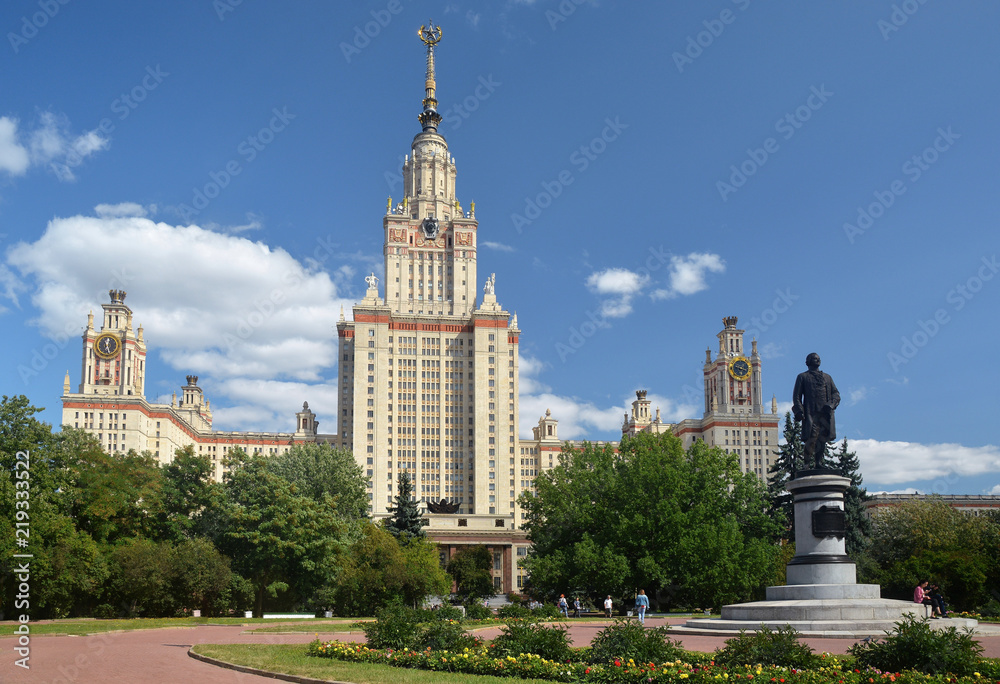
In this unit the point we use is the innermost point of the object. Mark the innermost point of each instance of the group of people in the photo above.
(930, 595)
(641, 605)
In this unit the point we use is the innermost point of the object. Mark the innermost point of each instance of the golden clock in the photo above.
(107, 345)
(739, 368)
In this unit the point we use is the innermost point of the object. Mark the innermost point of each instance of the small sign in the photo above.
(829, 521)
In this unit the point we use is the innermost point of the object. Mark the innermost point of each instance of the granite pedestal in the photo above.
(821, 597)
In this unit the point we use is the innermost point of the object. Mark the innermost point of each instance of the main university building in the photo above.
(428, 380)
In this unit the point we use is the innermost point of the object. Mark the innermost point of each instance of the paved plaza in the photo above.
(160, 656)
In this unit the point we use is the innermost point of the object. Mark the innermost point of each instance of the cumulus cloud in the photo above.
(859, 394)
(892, 462)
(688, 274)
(580, 419)
(498, 246)
(622, 284)
(13, 156)
(218, 305)
(50, 143)
(123, 209)
(995, 491)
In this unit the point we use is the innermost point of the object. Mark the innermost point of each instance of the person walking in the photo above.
(563, 605)
(607, 606)
(576, 607)
(641, 604)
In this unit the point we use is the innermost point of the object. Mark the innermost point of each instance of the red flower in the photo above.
(618, 663)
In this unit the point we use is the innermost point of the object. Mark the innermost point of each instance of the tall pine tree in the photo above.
(789, 461)
(859, 526)
(407, 521)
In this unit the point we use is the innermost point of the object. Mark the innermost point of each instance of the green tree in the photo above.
(110, 496)
(140, 582)
(274, 537)
(931, 540)
(859, 526)
(380, 570)
(790, 460)
(200, 575)
(318, 471)
(685, 526)
(189, 494)
(470, 568)
(406, 521)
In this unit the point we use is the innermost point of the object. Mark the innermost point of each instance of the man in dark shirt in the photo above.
(814, 401)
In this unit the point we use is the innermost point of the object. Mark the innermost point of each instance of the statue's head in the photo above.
(812, 361)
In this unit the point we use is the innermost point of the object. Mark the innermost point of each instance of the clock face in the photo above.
(107, 346)
(430, 227)
(739, 368)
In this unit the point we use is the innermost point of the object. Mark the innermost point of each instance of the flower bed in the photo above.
(481, 661)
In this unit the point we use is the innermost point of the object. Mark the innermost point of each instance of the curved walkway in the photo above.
(159, 656)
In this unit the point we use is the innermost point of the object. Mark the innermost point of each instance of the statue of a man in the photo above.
(814, 401)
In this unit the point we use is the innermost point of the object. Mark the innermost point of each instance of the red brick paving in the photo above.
(159, 656)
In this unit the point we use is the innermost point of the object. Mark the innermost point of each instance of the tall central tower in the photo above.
(428, 374)
(430, 242)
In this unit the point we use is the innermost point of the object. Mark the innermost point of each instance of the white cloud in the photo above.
(622, 284)
(995, 491)
(48, 144)
(859, 394)
(14, 157)
(580, 419)
(473, 18)
(688, 274)
(254, 222)
(221, 306)
(771, 350)
(891, 462)
(273, 402)
(122, 209)
(498, 246)
(52, 144)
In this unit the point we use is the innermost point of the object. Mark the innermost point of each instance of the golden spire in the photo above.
(429, 118)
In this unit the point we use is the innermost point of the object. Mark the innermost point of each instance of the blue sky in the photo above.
(826, 172)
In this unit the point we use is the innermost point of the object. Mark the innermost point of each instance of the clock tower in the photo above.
(734, 417)
(114, 357)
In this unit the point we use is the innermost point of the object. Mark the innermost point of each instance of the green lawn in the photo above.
(85, 626)
(291, 659)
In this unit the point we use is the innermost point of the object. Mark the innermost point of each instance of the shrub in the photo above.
(446, 612)
(514, 610)
(477, 611)
(442, 635)
(550, 643)
(991, 609)
(546, 611)
(913, 645)
(395, 627)
(628, 639)
(765, 647)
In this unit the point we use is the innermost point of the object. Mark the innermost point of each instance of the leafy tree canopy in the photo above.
(684, 526)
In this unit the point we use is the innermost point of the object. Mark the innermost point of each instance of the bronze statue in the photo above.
(814, 401)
